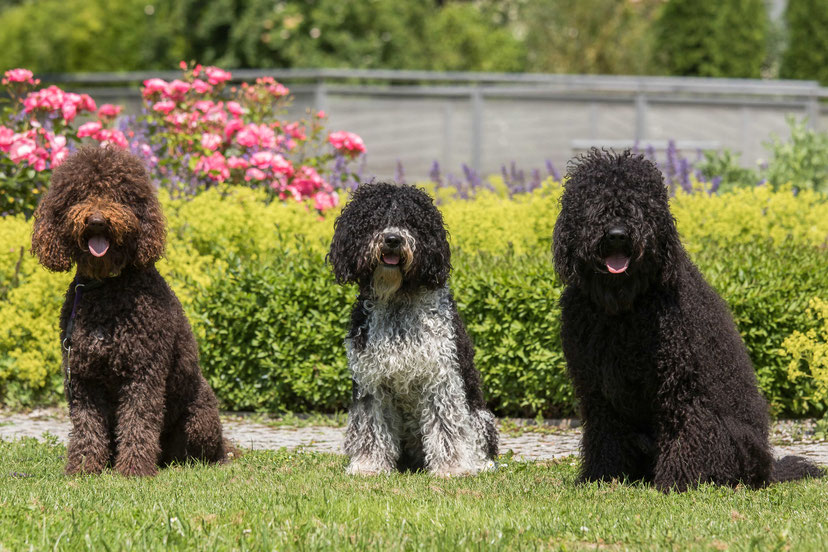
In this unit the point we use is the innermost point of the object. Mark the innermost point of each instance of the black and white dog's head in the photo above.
(390, 239)
(615, 235)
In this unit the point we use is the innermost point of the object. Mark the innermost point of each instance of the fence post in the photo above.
(640, 116)
(476, 97)
(320, 95)
(812, 110)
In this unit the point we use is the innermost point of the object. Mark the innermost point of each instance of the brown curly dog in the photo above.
(136, 395)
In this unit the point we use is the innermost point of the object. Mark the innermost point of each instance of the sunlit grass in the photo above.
(283, 500)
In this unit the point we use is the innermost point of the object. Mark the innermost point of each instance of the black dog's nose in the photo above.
(96, 221)
(617, 234)
(393, 240)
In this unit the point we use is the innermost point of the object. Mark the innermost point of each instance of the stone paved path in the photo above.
(255, 435)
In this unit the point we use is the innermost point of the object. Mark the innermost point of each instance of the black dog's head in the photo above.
(100, 213)
(615, 235)
(390, 238)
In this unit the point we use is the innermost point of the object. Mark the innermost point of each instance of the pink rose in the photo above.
(323, 201)
(235, 109)
(38, 159)
(176, 119)
(164, 106)
(109, 110)
(237, 163)
(89, 129)
(210, 141)
(306, 181)
(254, 174)
(275, 89)
(87, 103)
(215, 166)
(203, 105)
(233, 126)
(69, 110)
(19, 75)
(22, 149)
(50, 99)
(347, 143)
(248, 136)
(280, 165)
(177, 89)
(6, 138)
(321, 114)
(216, 75)
(295, 131)
(267, 138)
(202, 87)
(183, 65)
(262, 159)
(108, 136)
(154, 86)
(59, 152)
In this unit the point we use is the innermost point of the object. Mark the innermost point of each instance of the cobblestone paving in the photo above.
(256, 435)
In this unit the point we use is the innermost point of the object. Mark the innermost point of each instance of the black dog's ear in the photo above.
(562, 253)
(152, 233)
(672, 253)
(49, 244)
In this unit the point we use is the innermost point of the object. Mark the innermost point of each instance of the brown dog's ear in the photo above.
(152, 233)
(48, 242)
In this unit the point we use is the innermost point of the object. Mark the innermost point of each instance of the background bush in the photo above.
(806, 55)
(730, 38)
(270, 321)
(712, 38)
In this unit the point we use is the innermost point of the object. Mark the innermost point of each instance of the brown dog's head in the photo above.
(100, 213)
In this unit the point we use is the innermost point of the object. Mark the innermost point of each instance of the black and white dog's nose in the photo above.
(393, 240)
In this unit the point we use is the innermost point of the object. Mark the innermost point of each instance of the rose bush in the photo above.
(195, 133)
(36, 134)
(200, 131)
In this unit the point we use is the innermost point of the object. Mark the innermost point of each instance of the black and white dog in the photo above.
(417, 398)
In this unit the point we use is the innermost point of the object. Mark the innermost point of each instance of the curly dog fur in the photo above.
(417, 398)
(136, 395)
(667, 391)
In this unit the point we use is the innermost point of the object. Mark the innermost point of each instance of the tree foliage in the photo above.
(712, 38)
(589, 36)
(806, 56)
(87, 35)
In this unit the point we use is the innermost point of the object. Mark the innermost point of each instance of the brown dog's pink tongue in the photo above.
(617, 263)
(98, 245)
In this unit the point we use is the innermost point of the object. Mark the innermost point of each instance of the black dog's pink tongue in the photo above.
(98, 245)
(617, 263)
(391, 259)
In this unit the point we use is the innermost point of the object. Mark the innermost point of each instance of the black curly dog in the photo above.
(667, 392)
(417, 398)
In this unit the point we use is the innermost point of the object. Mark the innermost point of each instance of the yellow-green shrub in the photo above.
(752, 213)
(757, 247)
(809, 350)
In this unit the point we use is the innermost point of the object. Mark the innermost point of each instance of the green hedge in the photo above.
(270, 321)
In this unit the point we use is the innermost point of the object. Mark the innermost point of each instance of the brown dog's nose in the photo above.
(96, 221)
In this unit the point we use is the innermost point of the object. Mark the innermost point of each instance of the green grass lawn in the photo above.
(282, 500)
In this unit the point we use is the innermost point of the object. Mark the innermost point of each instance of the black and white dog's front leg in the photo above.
(372, 438)
(450, 441)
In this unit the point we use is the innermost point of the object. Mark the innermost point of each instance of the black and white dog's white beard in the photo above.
(387, 280)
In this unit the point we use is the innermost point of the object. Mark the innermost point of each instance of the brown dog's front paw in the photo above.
(82, 469)
(83, 465)
(130, 468)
